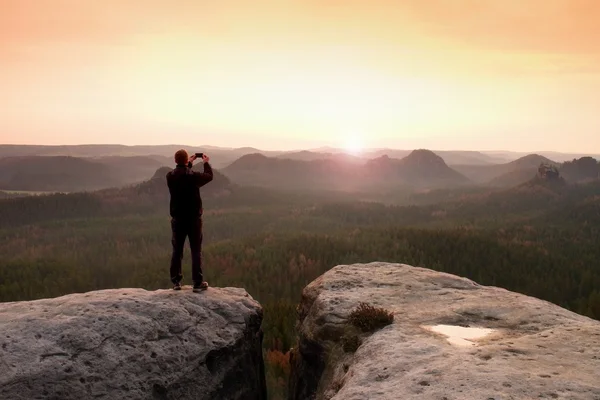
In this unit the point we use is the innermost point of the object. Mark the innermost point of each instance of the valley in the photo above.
(272, 225)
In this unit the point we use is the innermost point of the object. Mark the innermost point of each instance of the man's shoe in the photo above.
(177, 286)
(199, 287)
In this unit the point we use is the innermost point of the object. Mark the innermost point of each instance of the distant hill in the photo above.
(584, 169)
(421, 168)
(72, 174)
(559, 157)
(163, 160)
(247, 150)
(305, 155)
(562, 157)
(426, 168)
(334, 173)
(161, 173)
(223, 156)
(530, 161)
(449, 157)
(220, 156)
(521, 170)
(133, 168)
(505, 175)
(388, 153)
(289, 174)
(59, 173)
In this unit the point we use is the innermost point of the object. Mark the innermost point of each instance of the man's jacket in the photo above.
(184, 186)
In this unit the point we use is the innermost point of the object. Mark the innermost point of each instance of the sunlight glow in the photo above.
(354, 144)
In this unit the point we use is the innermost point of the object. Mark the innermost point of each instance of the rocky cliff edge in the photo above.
(133, 344)
(450, 339)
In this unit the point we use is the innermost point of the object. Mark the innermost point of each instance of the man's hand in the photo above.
(205, 158)
(192, 158)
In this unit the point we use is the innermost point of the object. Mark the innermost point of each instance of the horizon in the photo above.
(363, 151)
(302, 75)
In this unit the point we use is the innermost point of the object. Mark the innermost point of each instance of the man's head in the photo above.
(181, 157)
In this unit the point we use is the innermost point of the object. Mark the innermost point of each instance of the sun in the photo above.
(353, 144)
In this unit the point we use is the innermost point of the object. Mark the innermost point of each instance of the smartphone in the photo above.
(199, 155)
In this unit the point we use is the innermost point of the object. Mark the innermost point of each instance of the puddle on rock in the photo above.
(460, 336)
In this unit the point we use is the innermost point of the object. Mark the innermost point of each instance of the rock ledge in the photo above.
(133, 344)
(535, 350)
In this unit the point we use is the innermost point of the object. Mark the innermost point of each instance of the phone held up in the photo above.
(199, 155)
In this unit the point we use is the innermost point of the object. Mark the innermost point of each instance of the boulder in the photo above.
(450, 339)
(133, 344)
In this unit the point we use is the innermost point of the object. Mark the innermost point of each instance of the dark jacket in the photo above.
(184, 185)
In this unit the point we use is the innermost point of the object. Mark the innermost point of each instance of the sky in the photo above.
(518, 75)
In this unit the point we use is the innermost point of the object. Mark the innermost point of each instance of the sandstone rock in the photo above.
(133, 344)
(534, 349)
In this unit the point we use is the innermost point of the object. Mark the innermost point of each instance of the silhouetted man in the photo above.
(186, 215)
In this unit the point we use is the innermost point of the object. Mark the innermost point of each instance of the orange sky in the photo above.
(442, 74)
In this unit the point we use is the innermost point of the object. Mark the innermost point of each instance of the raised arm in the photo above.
(202, 178)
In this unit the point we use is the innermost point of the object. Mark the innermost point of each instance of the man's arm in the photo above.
(202, 178)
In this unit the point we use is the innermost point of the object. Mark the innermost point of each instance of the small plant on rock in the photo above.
(369, 318)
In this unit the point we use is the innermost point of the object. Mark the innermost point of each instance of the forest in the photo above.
(538, 239)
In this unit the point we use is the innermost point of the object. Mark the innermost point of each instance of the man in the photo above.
(186, 215)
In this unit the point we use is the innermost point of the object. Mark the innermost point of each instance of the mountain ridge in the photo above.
(508, 174)
(228, 154)
(421, 168)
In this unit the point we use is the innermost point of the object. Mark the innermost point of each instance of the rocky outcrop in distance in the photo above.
(450, 339)
(133, 344)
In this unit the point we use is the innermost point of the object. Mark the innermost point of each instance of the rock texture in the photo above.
(537, 350)
(133, 344)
